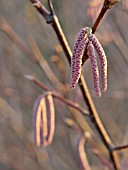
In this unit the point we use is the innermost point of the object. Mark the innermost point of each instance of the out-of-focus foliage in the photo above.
(17, 96)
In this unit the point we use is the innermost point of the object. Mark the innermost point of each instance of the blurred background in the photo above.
(21, 27)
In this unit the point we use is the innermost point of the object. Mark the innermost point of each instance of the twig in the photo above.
(93, 145)
(97, 122)
(89, 138)
(41, 9)
(58, 96)
(50, 7)
(120, 147)
(107, 5)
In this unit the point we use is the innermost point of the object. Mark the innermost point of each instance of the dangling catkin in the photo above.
(102, 58)
(94, 66)
(76, 59)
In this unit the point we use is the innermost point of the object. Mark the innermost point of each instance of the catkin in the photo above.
(89, 40)
(76, 59)
(102, 58)
(94, 66)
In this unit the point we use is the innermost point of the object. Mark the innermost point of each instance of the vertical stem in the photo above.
(105, 137)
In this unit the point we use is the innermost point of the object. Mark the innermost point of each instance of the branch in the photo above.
(41, 9)
(90, 140)
(57, 95)
(97, 122)
(120, 147)
(35, 54)
(107, 5)
(50, 6)
(96, 151)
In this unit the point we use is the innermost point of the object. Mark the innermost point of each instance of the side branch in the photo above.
(57, 95)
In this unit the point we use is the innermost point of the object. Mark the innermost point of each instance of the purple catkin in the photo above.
(75, 63)
(102, 58)
(94, 66)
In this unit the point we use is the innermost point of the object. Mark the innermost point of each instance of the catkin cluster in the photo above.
(88, 40)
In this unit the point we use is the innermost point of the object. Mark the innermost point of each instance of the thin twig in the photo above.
(89, 138)
(58, 96)
(120, 147)
(96, 151)
(100, 16)
(50, 7)
(107, 5)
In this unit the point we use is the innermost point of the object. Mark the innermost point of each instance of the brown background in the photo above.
(17, 95)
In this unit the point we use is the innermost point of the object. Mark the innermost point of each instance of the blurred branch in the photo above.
(96, 151)
(44, 65)
(57, 60)
(57, 95)
(90, 140)
(53, 20)
(35, 55)
(15, 39)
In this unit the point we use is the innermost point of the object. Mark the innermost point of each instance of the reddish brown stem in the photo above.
(58, 96)
(100, 16)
